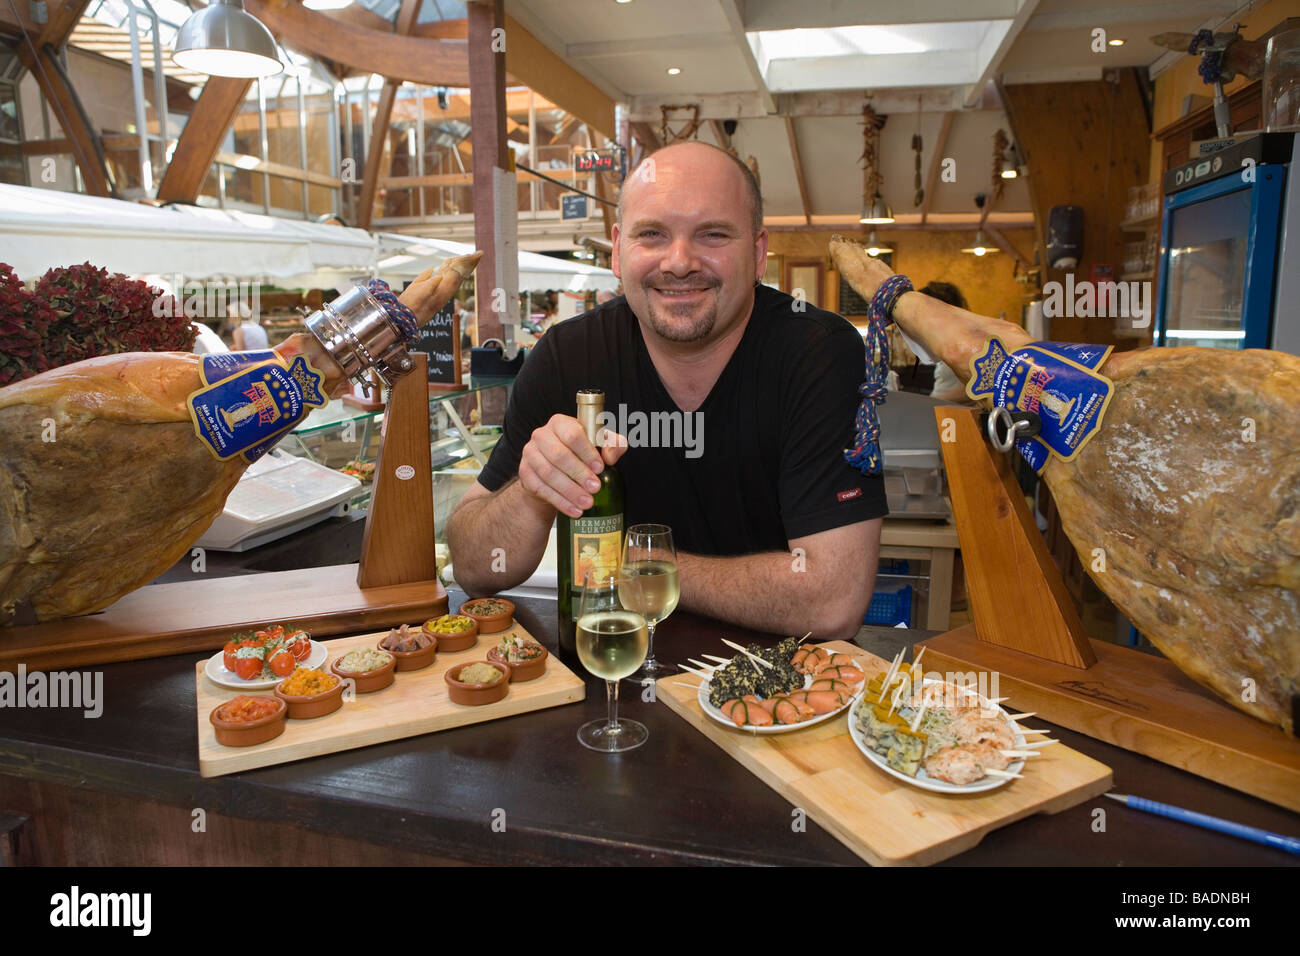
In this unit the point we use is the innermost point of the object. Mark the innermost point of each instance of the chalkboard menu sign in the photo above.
(850, 302)
(439, 338)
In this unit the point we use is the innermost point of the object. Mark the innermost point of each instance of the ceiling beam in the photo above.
(375, 157)
(648, 137)
(56, 87)
(936, 161)
(731, 10)
(534, 65)
(798, 169)
(62, 22)
(854, 228)
(215, 110)
(420, 60)
(664, 44)
(749, 105)
(1027, 8)
(784, 15)
(1112, 16)
(720, 134)
(1001, 242)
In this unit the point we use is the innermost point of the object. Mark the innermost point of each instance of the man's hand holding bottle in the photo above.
(559, 465)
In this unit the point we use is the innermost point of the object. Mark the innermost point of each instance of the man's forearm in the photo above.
(774, 591)
(496, 542)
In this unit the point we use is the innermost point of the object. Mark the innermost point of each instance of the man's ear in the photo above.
(760, 255)
(613, 262)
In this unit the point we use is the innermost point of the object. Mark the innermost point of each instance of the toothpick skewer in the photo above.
(889, 677)
(894, 703)
(691, 670)
(715, 657)
(805, 637)
(752, 657)
(1021, 753)
(916, 721)
(1032, 713)
(1026, 730)
(1040, 743)
(916, 661)
(692, 686)
(708, 667)
(1002, 773)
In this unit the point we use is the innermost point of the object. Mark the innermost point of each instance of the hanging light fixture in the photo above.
(874, 209)
(877, 211)
(981, 246)
(223, 39)
(876, 247)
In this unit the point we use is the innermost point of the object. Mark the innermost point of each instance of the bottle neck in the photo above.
(589, 417)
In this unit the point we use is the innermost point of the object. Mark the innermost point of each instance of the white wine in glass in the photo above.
(648, 551)
(612, 640)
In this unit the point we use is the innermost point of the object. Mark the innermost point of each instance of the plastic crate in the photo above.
(890, 606)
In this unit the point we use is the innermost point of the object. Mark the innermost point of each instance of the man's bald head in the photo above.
(638, 177)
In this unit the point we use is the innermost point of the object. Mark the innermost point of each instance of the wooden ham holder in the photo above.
(1027, 631)
(396, 581)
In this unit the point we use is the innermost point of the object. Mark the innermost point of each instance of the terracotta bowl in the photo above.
(473, 694)
(413, 660)
(490, 623)
(368, 682)
(247, 733)
(521, 671)
(454, 640)
(307, 707)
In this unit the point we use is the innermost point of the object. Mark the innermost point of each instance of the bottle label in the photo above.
(597, 542)
(221, 365)
(247, 412)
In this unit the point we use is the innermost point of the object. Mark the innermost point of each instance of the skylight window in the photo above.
(902, 55)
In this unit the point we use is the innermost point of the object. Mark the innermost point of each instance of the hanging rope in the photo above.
(398, 312)
(865, 453)
(1211, 65)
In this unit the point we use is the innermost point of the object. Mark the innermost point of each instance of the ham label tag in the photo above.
(248, 412)
(1056, 380)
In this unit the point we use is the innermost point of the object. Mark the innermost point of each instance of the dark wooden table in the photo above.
(125, 788)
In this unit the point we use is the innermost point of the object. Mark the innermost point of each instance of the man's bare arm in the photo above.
(823, 587)
(510, 519)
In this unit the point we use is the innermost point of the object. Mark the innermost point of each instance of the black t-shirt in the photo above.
(761, 461)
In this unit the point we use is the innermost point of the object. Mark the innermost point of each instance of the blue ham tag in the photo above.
(248, 412)
(222, 365)
(1056, 380)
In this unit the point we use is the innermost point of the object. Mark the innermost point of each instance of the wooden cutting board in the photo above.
(881, 819)
(415, 703)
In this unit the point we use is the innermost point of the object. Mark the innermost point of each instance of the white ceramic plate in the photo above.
(215, 668)
(726, 721)
(923, 780)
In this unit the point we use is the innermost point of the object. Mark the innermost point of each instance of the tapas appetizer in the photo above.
(259, 660)
(523, 657)
(777, 689)
(939, 736)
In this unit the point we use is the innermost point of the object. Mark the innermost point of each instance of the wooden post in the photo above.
(201, 139)
(397, 546)
(493, 234)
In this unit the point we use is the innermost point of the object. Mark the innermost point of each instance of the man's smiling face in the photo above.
(685, 247)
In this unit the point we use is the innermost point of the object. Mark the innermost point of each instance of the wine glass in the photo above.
(648, 550)
(612, 642)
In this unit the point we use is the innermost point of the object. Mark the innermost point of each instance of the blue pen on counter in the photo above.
(1266, 837)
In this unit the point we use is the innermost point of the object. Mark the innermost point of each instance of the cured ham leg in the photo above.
(103, 482)
(1191, 486)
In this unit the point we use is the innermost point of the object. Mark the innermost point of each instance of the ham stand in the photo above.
(1026, 630)
(396, 581)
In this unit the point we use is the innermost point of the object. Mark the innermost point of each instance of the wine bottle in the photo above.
(593, 541)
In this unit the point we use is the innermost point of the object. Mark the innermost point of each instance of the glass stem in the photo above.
(611, 695)
(650, 652)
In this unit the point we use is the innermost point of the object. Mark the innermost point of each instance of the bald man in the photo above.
(774, 530)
